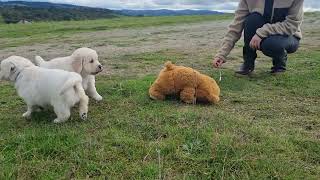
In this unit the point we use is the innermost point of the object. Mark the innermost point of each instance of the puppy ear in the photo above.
(12, 71)
(77, 65)
(12, 67)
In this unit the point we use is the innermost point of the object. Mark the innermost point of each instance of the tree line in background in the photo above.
(14, 14)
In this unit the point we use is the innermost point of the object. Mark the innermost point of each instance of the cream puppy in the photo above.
(83, 61)
(40, 87)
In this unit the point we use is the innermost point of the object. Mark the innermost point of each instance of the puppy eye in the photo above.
(12, 69)
(91, 61)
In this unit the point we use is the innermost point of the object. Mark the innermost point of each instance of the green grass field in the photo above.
(266, 127)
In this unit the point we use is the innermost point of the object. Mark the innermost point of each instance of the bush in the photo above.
(13, 14)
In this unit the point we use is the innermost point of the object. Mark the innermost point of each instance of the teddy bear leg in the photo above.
(214, 99)
(155, 95)
(187, 95)
(205, 97)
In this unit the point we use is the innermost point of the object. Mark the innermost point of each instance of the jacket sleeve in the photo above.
(289, 26)
(234, 31)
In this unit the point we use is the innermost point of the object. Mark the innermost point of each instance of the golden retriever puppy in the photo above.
(41, 87)
(83, 61)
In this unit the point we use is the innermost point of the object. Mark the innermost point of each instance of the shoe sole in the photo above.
(243, 75)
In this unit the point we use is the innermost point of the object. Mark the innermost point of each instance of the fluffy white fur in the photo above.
(83, 61)
(40, 87)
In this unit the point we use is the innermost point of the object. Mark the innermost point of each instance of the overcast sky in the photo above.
(222, 5)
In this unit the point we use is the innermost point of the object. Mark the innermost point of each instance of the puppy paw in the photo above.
(84, 116)
(58, 121)
(27, 115)
(98, 98)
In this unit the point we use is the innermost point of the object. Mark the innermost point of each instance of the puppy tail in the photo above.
(169, 66)
(38, 60)
(71, 82)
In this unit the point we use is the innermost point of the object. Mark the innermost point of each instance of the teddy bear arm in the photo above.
(187, 95)
(202, 96)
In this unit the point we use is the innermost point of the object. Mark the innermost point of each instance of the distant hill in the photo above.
(15, 11)
(37, 4)
(166, 12)
(23, 11)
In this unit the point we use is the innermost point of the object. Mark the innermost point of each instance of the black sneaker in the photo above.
(275, 70)
(245, 70)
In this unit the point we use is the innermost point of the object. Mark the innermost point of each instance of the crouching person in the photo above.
(271, 26)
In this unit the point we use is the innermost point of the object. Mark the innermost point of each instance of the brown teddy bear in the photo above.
(191, 85)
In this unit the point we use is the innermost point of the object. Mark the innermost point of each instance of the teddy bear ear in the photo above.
(169, 65)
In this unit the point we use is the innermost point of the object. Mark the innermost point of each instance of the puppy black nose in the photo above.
(100, 67)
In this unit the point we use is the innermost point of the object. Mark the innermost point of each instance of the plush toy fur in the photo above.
(191, 85)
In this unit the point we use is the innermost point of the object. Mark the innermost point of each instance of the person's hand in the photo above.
(255, 42)
(218, 62)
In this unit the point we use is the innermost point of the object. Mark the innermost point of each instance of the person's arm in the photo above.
(288, 26)
(234, 31)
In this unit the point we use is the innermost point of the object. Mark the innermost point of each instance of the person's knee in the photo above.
(254, 18)
(272, 48)
(252, 22)
(293, 48)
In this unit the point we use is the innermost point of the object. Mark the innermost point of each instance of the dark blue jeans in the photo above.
(274, 46)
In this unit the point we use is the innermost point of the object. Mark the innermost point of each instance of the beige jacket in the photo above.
(286, 19)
